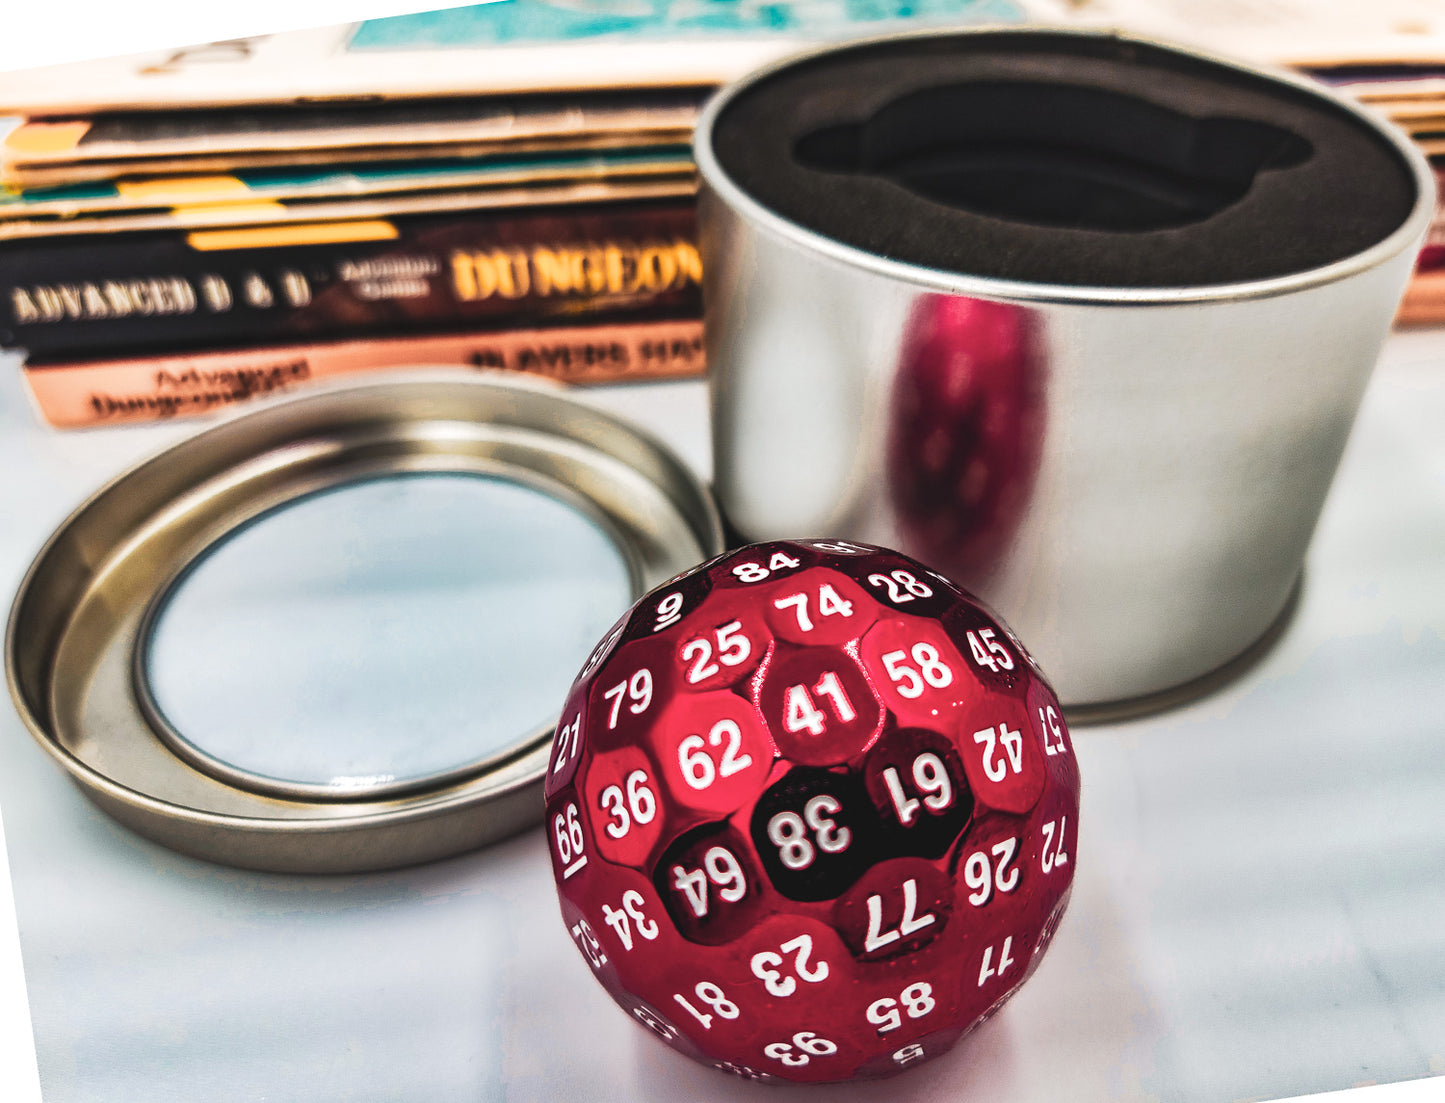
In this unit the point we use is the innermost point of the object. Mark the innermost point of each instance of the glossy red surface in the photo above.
(812, 812)
(966, 431)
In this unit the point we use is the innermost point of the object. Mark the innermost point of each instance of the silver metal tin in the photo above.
(1191, 432)
(78, 623)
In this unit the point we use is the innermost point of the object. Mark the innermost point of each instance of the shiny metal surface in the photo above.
(77, 625)
(1159, 456)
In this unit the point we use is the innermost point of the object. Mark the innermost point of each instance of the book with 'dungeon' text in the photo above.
(152, 388)
(108, 296)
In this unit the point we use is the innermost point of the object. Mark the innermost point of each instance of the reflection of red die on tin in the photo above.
(966, 430)
(812, 812)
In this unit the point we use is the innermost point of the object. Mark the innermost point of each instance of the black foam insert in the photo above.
(1063, 159)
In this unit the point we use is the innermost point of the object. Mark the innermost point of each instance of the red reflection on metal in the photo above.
(966, 432)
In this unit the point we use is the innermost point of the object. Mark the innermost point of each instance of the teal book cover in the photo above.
(534, 22)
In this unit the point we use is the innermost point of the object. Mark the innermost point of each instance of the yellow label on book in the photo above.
(306, 233)
(182, 189)
(46, 137)
(209, 214)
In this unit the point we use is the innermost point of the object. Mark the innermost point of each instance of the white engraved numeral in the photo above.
(929, 670)
(930, 776)
(911, 922)
(638, 688)
(917, 1000)
(830, 604)
(669, 612)
(1052, 854)
(567, 834)
(994, 767)
(711, 996)
(983, 878)
(617, 919)
(808, 1044)
(587, 942)
(989, 652)
(565, 743)
(901, 586)
(733, 648)
(766, 966)
(756, 572)
(640, 804)
(790, 836)
(987, 969)
(720, 868)
(1053, 729)
(840, 547)
(801, 714)
(697, 766)
(659, 1026)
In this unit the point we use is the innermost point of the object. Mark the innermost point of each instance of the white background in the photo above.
(46, 31)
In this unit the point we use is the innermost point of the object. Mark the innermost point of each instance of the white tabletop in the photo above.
(1258, 909)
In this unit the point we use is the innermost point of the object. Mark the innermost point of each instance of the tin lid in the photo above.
(332, 634)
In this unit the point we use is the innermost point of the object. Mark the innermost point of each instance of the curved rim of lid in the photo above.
(765, 220)
(131, 539)
(362, 789)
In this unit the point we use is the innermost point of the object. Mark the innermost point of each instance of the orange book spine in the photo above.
(154, 388)
(1424, 302)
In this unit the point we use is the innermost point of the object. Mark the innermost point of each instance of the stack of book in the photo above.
(505, 186)
(160, 263)
(1412, 96)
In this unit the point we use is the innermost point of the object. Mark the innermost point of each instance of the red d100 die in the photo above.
(812, 812)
